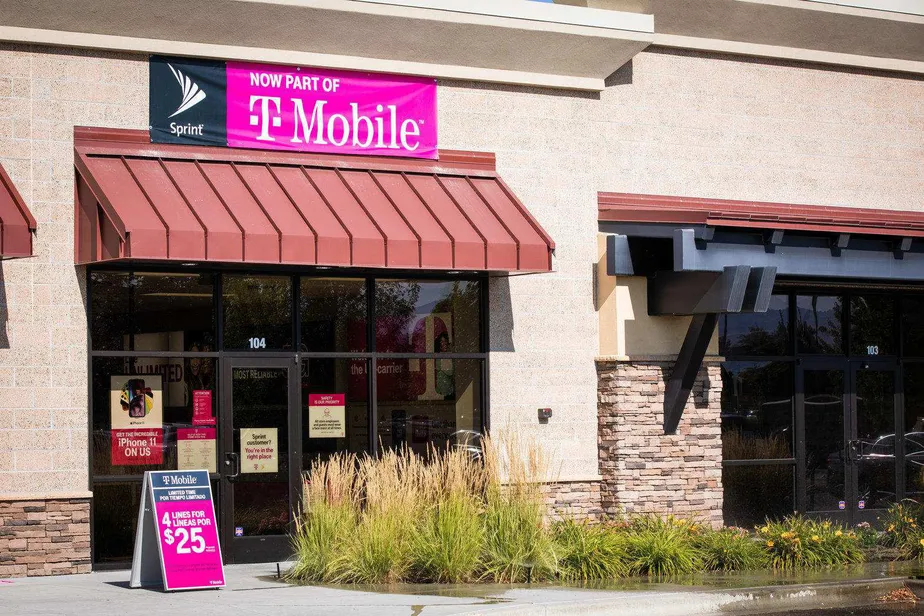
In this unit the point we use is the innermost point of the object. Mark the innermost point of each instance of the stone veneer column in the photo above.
(44, 537)
(644, 470)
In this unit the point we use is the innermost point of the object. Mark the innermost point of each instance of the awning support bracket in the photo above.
(682, 378)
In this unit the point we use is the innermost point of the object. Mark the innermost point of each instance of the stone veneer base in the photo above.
(645, 470)
(44, 537)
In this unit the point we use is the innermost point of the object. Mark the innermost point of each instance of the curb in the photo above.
(760, 600)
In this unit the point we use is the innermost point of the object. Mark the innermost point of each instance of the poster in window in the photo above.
(136, 401)
(259, 450)
(326, 415)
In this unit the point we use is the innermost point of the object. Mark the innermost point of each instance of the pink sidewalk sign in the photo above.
(329, 111)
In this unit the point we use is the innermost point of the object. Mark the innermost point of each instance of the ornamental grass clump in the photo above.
(518, 546)
(589, 552)
(730, 549)
(799, 542)
(662, 552)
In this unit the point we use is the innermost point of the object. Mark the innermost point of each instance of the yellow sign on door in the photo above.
(259, 450)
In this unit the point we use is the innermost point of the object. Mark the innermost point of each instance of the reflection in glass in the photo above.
(875, 452)
(427, 317)
(258, 312)
(819, 326)
(333, 315)
(872, 325)
(115, 507)
(825, 452)
(177, 377)
(346, 377)
(260, 400)
(914, 431)
(757, 409)
(756, 333)
(755, 493)
(913, 326)
(110, 309)
(174, 312)
(428, 402)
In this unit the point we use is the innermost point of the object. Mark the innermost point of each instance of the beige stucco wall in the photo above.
(680, 124)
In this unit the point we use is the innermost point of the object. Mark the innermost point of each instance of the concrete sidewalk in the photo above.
(253, 589)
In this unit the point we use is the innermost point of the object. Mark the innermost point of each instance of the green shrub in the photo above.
(798, 542)
(449, 541)
(901, 524)
(517, 545)
(661, 552)
(589, 552)
(318, 539)
(867, 535)
(730, 549)
(378, 552)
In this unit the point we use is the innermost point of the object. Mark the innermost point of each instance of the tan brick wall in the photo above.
(645, 470)
(44, 537)
(44, 93)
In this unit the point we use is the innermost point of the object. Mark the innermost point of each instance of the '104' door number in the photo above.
(257, 343)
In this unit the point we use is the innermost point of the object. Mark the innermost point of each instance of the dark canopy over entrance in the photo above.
(139, 200)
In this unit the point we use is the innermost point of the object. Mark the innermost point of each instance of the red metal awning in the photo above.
(143, 201)
(628, 207)
(16, 221)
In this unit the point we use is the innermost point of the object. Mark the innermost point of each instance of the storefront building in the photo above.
(592, 209)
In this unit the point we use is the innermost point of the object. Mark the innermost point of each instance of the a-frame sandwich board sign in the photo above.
(176, 542)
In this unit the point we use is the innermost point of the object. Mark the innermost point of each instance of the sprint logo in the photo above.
(192, 93)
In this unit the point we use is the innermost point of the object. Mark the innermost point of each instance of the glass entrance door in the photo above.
(875, 442)
(849, 443)
(260, 483)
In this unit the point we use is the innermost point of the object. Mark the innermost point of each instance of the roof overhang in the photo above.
(653, 233)
(863, 33)
(144, 202)
(527, 43)
(16, 222)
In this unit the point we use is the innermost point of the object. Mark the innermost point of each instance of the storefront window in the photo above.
(425, 403)
(819, 324)
(914, 431)
(153, 413)
(333, 315)
(174, 312)
(110, 310)
(913, 326)
(872, 325)
(755, 493)
(335, 408)
(115, 517)
(427, 317)
(258, 313)
(757, 410)
(756, 333)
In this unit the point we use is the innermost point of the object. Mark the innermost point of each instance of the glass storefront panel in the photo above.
(914, 431)
(913, 326)
(875, 400)
(872, 325)
(819, 324)
(333, 315)
(428, 317)
(757, 410)
(174, 312)
(429, 402)
(754, 493)
(335, 395)
(257, 313)
(115, 518)
(758, 333)
(153, 413)
(110, 310)
(825, 454)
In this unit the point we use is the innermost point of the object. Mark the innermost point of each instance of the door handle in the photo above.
(233, 461)
(853, 450)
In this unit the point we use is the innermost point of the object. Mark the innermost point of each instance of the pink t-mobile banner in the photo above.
(328, 111)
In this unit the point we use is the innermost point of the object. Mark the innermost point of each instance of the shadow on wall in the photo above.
(4, 312)
(500, 315)
(622, 77)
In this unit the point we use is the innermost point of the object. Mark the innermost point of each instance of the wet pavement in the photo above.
(894, 609)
